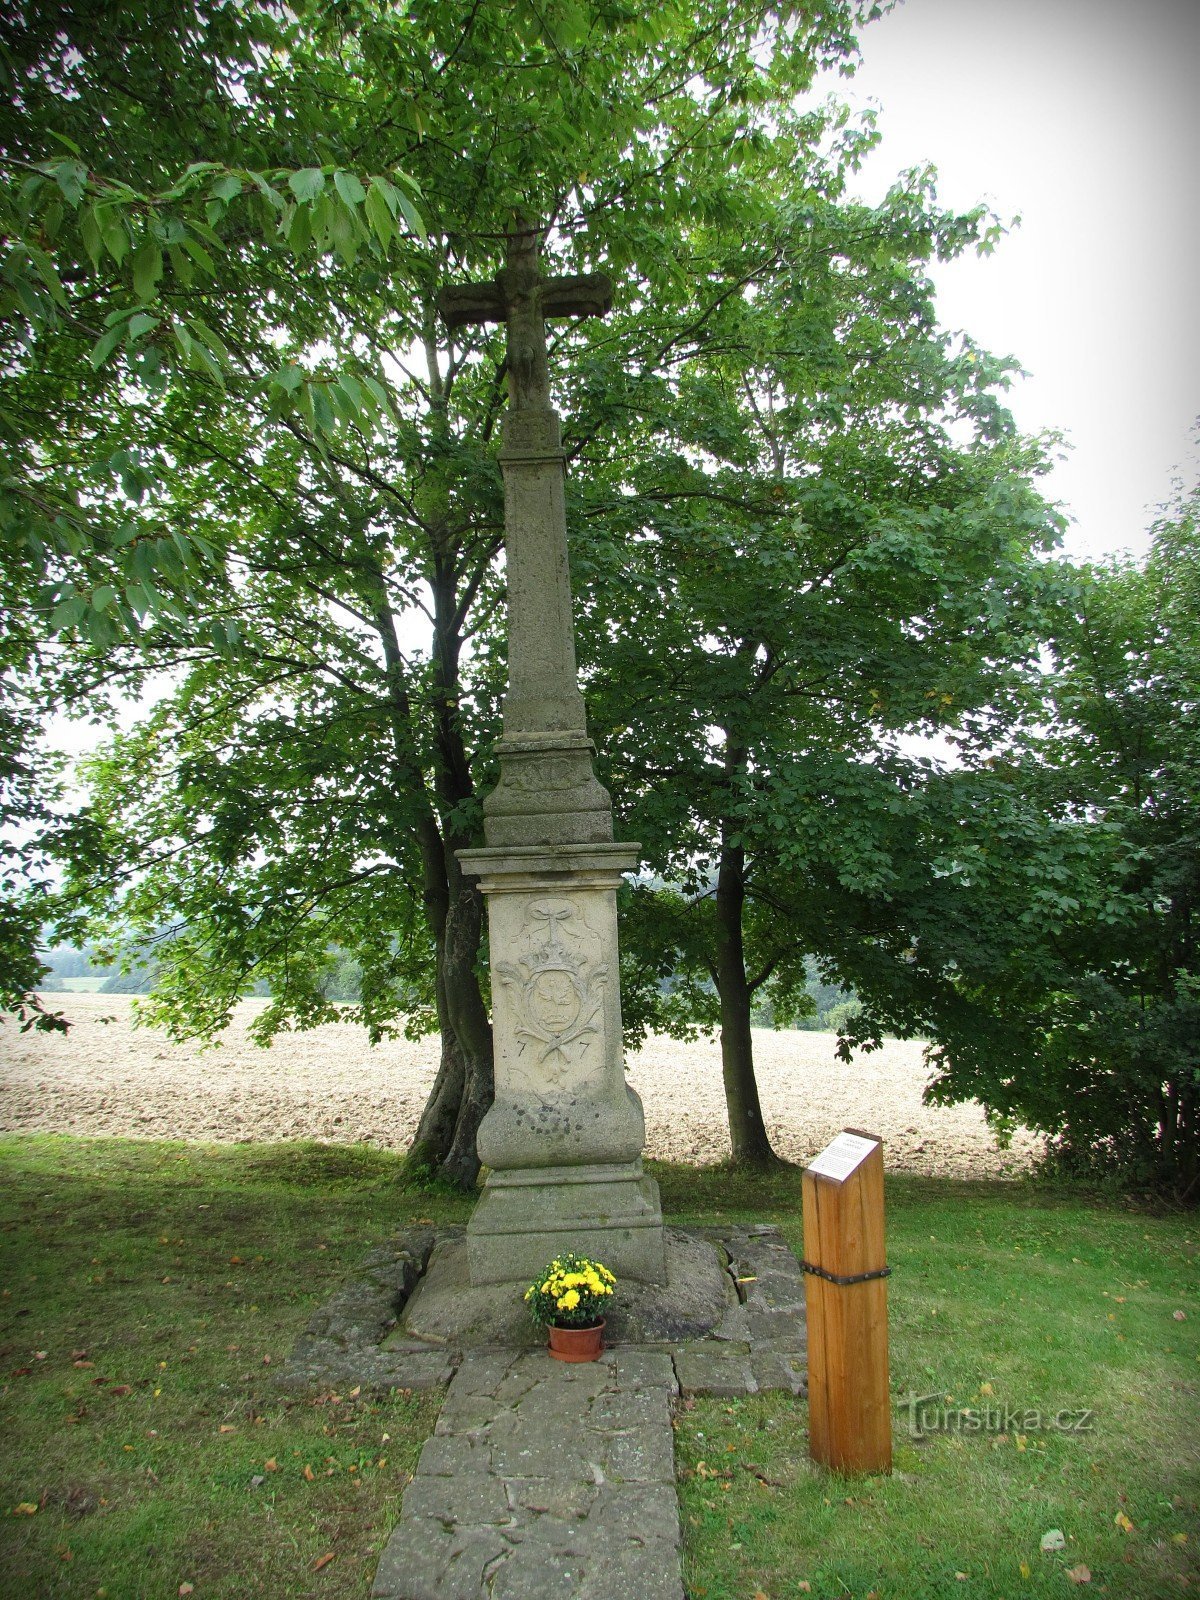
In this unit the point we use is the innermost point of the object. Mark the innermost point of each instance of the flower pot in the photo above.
(577, 1344)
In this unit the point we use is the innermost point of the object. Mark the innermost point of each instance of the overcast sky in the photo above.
(1080, 116)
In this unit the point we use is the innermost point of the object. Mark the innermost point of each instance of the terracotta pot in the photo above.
(577, 1344)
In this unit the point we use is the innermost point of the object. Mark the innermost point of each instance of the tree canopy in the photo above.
(249, 468)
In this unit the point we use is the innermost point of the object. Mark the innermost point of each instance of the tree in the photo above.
(810, 567)
(1032, 914)
(287, 504)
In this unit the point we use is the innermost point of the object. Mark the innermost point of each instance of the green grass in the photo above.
(180, 1269)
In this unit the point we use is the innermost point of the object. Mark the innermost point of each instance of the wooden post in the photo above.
(849, 1398)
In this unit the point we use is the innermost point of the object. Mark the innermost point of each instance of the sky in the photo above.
(1083, 118)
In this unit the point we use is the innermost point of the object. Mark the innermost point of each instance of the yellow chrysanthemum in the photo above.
(569, 1300)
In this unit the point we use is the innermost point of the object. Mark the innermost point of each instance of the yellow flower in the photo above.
(569, 1300)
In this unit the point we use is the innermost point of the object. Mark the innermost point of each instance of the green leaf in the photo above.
(147, 269)
(105, 346)
(213, 340)
(71, 177)
(67, 613)
(322, 410)
(307, 184)
(198, 253)
(379, 215)
(349, 187)
(103, 597)
(141, 322)
(411, 215)
(351, 390)
(203, 358)
(89, 230)
(227, 188)
(48, 273)
(300, 231)
(114, 232)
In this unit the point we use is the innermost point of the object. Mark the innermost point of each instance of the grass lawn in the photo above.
(148, 1289)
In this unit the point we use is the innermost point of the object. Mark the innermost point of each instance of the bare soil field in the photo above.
(108, 1076)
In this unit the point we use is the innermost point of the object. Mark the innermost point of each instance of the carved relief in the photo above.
(547, 772)
(556, 986)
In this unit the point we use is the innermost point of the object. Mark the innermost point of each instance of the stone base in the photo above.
(448, 1310)
(529, 1215)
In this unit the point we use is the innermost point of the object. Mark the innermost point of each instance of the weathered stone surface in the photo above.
(564, 1135)
(550, 870)
(639, 1369)
(425, 1561)
(469, 1499)
(719, 1372)
(777, 1369)
(450, 1310)
(543, 1480)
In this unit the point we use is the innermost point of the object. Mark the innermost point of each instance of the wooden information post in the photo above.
(845, 1265)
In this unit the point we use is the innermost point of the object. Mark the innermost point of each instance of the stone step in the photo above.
(544, 1479)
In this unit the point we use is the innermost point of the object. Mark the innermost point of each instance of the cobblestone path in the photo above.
(544, 1479)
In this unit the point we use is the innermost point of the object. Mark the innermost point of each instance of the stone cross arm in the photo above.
(584, 295)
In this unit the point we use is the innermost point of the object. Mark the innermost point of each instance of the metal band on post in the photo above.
(845, 1277)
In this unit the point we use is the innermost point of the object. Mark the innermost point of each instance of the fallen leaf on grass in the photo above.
(1054, 1539)
(82, 1361)
(323, 1561)
(1025, 1569)
(804, 1586)
(27, 1508)
(122, 1388)
(1180, 1316)
(271, 1466)
(309, 1474)
(228, 1427)
(1079, 1574)
(186, 1588)
(1123, 1522)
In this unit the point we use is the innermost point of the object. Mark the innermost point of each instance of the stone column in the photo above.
(564, 1137)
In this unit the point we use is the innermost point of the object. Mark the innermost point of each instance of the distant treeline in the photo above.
(82, 970)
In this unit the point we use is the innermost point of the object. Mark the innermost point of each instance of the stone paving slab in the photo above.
(757, 1340)
(543, 1479)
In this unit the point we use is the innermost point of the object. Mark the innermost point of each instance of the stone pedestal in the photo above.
(564, 1137)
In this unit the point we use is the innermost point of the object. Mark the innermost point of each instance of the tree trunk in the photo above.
(748, 1136)
(464, 1087)
(472, 1029)
(435, 1131)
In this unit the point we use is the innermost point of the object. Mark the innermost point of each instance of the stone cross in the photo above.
(543, 694)
(521, 298)
(564, 1137)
